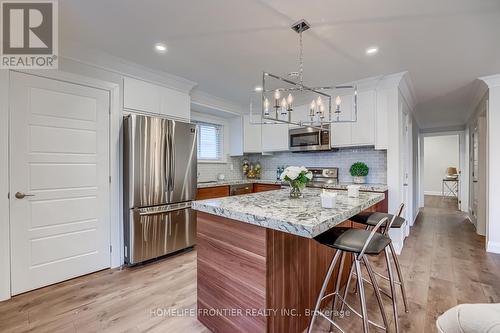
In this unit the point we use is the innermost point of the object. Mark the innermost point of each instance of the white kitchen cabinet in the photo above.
(141, 96)
(175, 104)
(341, 133)
(361, 132)
(155, 99)
(236, 136)
(387, 99)
(252, 135)
(274, 137)
(300, 113)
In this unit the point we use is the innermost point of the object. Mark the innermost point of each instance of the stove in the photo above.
(324, 176)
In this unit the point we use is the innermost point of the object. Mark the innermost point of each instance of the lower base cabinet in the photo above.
(265, 187)
(212, 192)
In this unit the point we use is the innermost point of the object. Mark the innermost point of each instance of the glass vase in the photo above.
(295, 190)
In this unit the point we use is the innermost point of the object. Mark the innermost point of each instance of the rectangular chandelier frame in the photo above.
(329, 116)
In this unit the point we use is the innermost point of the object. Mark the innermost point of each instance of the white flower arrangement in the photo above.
(297, 176)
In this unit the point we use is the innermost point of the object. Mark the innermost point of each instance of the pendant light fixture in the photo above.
(281, 96)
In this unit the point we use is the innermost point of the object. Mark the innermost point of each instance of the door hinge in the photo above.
(110, 179)
(111, 249)
(8, 195)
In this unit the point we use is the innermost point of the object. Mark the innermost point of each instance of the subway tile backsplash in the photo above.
(209, 171)
(342, 159)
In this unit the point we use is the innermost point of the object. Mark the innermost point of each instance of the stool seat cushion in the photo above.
(353, 240)
(372, 218)
(470, 318)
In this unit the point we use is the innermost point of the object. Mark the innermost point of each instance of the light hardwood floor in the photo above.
(443, 260)
(438, 201)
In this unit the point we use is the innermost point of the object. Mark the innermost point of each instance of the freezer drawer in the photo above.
(156, 231)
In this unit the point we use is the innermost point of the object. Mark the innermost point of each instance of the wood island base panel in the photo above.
(254, 279)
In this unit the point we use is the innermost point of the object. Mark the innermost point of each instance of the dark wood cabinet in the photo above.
(265, 187)
(212, 192)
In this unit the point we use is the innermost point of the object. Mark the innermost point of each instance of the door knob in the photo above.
(20, 195)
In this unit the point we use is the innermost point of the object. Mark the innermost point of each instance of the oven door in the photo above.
(309, 139)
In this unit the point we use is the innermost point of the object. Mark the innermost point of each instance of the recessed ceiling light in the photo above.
(257, 88)
(372, 50)
(161, 47)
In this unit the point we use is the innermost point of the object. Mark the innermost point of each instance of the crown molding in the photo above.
(408, 91)
(480, 89)
(491, 81)
(202, 100)
(390, 80)
(401, 80)
(110, 63)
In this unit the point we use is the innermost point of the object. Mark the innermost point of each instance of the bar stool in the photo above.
(369, 219)
(360, 243)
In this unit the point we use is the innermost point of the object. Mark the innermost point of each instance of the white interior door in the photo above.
(59, 189)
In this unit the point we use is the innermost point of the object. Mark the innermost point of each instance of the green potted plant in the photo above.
(359, 171)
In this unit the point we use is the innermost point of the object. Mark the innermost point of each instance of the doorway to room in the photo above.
(442, 171)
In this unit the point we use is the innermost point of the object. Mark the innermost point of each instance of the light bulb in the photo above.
(266, 106)
(313, 105)
(283, 103)
(277, 94)
(319, 101)
(338, 101)
(289, 99)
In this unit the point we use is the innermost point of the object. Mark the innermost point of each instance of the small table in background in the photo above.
(450, 187)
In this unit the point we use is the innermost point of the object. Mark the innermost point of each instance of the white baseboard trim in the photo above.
(433, 193)
(398, 247)
(416, 217)
(493, 247)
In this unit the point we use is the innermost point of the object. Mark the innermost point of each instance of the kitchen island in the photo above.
(258, 267)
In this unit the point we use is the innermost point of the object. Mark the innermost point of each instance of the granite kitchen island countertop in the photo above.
(276, 210)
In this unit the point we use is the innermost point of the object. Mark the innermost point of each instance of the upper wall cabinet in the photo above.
(236, 136)
(151, 98)
(252, 135)
(361, 132)
(274, 137)
(141, 96)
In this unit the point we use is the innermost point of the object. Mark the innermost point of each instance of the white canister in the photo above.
(353, 191)
(328, 199)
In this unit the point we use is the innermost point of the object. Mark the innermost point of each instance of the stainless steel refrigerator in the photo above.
(159, 184)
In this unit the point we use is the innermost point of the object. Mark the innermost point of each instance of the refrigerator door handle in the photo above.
(166, 159)
(171, 145)
(163, 209)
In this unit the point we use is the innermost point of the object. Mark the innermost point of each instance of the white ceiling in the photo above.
(224, 45)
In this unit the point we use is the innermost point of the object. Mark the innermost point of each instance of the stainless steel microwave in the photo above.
(309, 139)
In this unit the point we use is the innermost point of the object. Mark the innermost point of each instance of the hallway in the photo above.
(445, 264)
(438, 201)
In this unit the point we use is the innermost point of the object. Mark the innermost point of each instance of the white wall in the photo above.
(4, 188)
(440, 152)
(493, 186)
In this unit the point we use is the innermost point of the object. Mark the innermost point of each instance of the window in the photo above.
(210, 141)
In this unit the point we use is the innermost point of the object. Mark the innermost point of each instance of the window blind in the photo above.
(209, 141)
